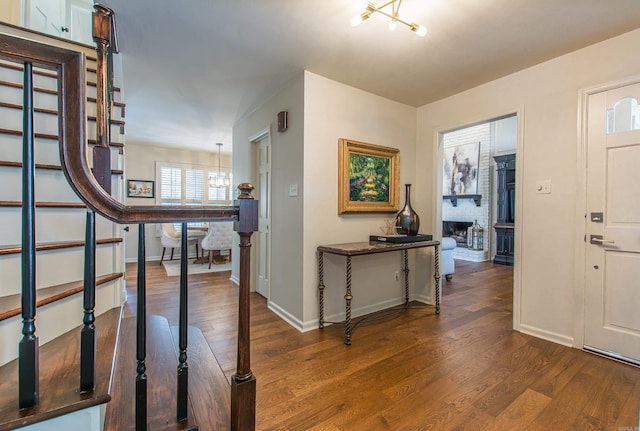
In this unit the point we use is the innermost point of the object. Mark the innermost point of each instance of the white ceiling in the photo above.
(193, 68)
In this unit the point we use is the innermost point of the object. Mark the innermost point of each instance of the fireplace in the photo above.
(456, 230)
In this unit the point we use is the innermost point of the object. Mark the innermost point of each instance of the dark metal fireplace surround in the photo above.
(456, 230)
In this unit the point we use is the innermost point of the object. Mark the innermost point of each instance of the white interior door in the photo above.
(47, 16)
(612, 290)
(263, 148)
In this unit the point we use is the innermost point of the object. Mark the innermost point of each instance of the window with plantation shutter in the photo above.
(181, 184)
(170, 186)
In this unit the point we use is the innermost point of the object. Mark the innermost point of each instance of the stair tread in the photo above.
(11, 164)
(60, 376)
(209, 389)
(52, 137)
(113, 121)
(11, 305)
(46, 90)
(45, 246)
(161, 362)
(43, 204)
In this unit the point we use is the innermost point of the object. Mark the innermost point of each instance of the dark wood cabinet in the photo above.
(506, 168)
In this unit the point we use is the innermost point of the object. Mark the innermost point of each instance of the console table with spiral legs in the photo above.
(364, 248)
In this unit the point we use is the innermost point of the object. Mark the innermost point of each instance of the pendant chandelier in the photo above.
(392, 12)
(220, 180)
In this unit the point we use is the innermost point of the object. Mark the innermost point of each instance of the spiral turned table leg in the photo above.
(321, 288)
(406, 277)
(348, 297)
(436, 275)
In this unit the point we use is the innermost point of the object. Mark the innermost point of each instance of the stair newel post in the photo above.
(28, 374)
(88, 332)
(102, 35)
(183, 367)
(243, 382)
(141, 335)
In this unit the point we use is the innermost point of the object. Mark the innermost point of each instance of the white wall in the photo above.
(334, 111)
(322, 111)
(140, 164)
(546, 96)
(287, 221)
(10, 11)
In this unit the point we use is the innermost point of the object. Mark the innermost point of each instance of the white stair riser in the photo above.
(55, 319)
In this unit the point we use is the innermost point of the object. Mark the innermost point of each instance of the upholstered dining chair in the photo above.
(171, 238)
(219, 239)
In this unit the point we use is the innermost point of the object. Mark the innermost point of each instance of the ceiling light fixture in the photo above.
(393, 15)
(221, 180)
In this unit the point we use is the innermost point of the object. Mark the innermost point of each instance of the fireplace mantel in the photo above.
(477, 199)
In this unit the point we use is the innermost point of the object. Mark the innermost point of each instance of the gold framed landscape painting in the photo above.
(368, 178)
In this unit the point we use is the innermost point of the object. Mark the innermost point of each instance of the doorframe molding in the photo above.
(263, 133)
(438, 149)
(580, 264)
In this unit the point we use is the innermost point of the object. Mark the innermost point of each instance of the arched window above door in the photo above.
(623, 116)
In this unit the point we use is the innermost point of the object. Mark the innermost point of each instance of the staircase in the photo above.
(59, 252)
(71, 358)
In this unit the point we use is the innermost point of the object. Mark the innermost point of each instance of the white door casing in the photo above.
(263, 241)
(612, 256)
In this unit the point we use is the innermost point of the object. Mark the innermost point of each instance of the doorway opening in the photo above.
(478, 189)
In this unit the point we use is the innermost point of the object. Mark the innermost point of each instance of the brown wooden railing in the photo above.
(93, 188)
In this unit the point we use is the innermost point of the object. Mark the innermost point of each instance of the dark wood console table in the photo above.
(363, 248)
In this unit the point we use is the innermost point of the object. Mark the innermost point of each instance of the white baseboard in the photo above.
(309, 325)
(235, 280)
(547, 335)
(286, 316)
(156, 258)
(424, 299)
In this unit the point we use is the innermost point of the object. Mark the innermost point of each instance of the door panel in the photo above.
(264, 196)
(612, 291)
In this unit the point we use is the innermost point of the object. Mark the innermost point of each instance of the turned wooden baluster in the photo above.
(88, 332)
(141, 335)
(183, 367)
(28, 373)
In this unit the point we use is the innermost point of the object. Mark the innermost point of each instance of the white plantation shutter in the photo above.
(181, 184)
(170, 186)
(194, 186)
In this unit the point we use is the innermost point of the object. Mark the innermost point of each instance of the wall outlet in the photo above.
(396, 276)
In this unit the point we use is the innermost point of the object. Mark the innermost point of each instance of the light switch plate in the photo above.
(543, 187)
(293, 190)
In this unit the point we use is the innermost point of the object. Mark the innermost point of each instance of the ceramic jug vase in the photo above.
(407, 220)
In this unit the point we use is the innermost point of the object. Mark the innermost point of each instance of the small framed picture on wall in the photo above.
(140, 189)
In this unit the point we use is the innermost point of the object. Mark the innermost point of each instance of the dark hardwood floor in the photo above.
(463, 370)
